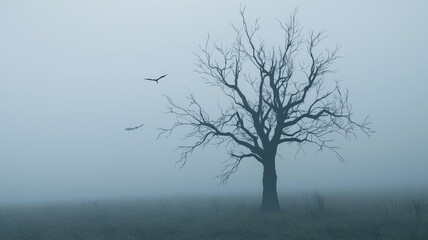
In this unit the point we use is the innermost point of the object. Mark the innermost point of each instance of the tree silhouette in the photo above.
(277, 95)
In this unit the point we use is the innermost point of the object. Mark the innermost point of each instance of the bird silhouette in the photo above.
(155, 79)
(133, 128)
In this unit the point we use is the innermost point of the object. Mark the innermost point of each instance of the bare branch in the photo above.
(270, 101)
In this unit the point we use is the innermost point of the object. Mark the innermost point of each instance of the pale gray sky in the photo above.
(71, 80)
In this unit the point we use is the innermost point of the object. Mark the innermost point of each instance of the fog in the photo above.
(71, 81)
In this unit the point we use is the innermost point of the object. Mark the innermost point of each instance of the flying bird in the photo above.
(133, 128)
(155, 79)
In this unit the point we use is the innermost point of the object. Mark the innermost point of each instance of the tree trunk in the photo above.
(270, 201)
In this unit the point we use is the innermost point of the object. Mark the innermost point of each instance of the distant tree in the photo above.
(277, 94)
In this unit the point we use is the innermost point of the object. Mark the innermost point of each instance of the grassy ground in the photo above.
(304, 216)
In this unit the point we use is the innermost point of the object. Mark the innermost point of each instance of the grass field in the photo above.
(304, 216)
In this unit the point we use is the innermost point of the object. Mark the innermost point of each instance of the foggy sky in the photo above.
(71, 80)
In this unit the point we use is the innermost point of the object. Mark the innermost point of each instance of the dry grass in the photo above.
(305, 216)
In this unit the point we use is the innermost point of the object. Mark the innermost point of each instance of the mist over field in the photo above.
(71, 81)
(85, 87)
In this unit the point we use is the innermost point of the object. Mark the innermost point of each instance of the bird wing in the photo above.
(133, 128)
(162, 76)
(155, 79)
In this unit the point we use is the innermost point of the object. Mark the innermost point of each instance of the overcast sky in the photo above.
(71, 80)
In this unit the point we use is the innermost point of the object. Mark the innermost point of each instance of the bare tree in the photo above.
(277, 95)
